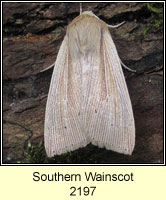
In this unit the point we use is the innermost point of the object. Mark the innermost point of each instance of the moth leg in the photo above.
(47, 68)
(116, 26)
(131, 70)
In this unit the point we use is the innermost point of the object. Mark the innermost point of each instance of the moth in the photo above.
(88, 100)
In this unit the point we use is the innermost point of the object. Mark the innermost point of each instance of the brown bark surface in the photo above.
(32, 34)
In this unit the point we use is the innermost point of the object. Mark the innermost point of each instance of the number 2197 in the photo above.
(82, 191)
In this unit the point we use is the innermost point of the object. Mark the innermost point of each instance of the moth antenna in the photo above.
(116, 26)
(131, 70)
(80, 8)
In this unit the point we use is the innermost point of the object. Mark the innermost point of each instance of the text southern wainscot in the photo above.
(88, 176)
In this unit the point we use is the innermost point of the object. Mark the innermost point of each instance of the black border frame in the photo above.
(15, 164)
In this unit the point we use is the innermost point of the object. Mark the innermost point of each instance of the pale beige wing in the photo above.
(110, 121)
(62, 131)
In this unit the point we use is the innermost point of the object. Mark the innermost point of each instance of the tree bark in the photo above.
(32, 34)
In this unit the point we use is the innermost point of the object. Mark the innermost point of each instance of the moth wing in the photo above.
(62, 130)
(111, 122)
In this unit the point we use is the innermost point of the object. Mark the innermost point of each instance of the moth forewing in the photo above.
(62, 130)
(88, 100)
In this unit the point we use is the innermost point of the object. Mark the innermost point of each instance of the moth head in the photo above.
(90, 13)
